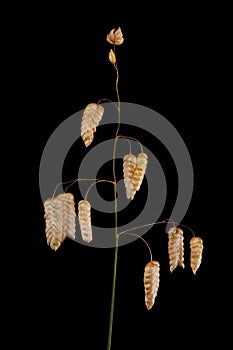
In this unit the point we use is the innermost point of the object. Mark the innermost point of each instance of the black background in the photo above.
(168, 63)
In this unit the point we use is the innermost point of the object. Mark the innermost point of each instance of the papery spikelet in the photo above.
(91, 117)
(68, 214)
(139, 172)
(175, 247)
(84, 215)
(115, 36)
(151, 282)
(129, 164)
(112, 56)
(59, 219)
(196, 249)
(53, 223)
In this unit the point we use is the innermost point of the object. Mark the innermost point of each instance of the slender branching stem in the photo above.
(107, 100)
(95, 184)
(131, 138)
(166, 221)
(116, 209)
(72, 182)
(187, 228)
(134, 234)
(142, 226)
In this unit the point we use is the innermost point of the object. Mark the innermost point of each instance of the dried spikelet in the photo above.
(92, 115)
(68, 214)
(129, 164)
(115, 36)
(196, 249)
(84, 215)
(112, 57)
(59, 219)
(151, 282)
(53, 223)
(139, 172)
(175, 247)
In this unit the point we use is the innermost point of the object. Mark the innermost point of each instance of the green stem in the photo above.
(113, 294)
(116, 224)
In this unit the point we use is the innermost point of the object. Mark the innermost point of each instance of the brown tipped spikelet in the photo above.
(115, 36)
(196, 249)
(92, 115)
(59, 219)
(129, 164)
(139, 172)
(151, 282)
(175, 247)
(112, 57)
(84, 215)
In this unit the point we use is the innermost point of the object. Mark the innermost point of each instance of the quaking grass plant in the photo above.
(60, 215)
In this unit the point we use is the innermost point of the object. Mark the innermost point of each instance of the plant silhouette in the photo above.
(60, 215)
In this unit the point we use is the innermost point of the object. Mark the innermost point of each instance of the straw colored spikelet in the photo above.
(59, 219)
(115, 36)
(68, 214)
(129, 164)
(139, 172)
(53, 224)
(91, 117)
(175, 247)
(112, 57)
(84, 215)
(151, 282)
(196, 249)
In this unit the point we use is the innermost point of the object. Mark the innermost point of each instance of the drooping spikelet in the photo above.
(139, 172)
(84, 215)
(59, 219)
(53, 224)
(196, 249)
(129, 164)
(175, 247)
(91, 117)
(115, 36)
(151, 282)
(68, 214)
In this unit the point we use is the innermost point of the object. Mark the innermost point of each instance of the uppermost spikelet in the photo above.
(115, 36)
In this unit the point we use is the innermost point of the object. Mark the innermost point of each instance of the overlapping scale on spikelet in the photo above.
(129, 164)
(196, 249)
(68, 214)
(151, 282)
(175, 247)
(84, 215)
(59, 219)
(139, 172)
(91, 117)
